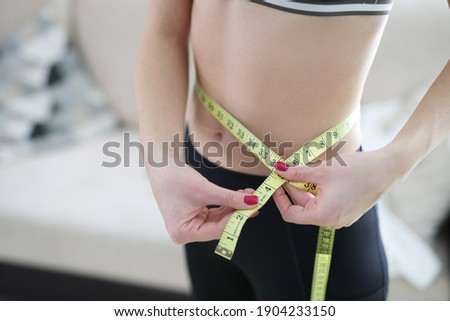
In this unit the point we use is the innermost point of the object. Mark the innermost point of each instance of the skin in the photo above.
(293, 77)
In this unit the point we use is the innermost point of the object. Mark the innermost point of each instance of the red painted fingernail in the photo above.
(251, 199)
(281, 166)
(255, 214)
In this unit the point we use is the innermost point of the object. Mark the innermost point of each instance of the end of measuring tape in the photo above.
(228, 241)
(322, 263)
(230, 236)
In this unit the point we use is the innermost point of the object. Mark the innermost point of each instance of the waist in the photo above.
(216, 144)
(202, 164)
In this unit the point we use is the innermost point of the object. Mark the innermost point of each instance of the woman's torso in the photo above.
(292, 75)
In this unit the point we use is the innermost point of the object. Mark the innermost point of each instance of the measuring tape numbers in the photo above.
(308, 152)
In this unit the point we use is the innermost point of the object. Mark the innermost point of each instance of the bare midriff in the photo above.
(287, 75)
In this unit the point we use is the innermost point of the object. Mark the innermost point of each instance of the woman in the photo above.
(290, 69)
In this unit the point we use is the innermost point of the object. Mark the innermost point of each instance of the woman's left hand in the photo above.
(346, 189)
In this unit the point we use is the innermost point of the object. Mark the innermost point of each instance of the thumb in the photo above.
(298, 173)
(235, 199)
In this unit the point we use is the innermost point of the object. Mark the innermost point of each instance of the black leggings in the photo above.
(274, 260)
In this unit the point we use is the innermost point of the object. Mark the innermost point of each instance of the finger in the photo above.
(203, 227)
(217, 213)
(295, 213)
(298, 196)
(222, 210)
(246, 191)
(254, 214)
(211, 229)
(283, 202)
(234, 199)
(215, 224)
(298, 173)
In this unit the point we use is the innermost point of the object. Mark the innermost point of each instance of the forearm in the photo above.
(161, 89)
(427, 127)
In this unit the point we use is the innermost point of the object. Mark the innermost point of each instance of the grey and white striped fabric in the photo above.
(331, 7)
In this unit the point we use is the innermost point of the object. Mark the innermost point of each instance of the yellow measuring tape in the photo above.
(308, 152)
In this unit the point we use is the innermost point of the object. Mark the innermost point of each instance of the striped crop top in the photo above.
(331, 7)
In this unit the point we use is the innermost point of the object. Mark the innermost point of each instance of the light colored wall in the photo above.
(14, 13)
(414, 49)
(108, 33)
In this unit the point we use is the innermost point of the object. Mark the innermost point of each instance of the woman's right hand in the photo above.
(183, 195)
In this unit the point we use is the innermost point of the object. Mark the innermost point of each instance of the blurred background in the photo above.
(73, 229)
